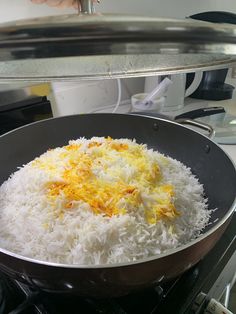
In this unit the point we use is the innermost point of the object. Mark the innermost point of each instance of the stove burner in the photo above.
(38, 302)
(28, 301)
(10, 297)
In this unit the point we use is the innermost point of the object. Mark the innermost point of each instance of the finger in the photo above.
(76, 4)
(60, 3)
(38, 1)
(54, 3)
(66, 4)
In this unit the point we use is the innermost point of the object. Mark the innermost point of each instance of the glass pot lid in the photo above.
(94, 46)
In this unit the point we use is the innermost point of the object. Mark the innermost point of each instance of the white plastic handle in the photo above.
(214, 307)
(195, 83)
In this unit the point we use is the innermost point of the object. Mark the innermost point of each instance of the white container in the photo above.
(177, 92)
(151, 83)
(154, 105)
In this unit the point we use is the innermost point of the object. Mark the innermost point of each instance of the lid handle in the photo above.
(86, 6)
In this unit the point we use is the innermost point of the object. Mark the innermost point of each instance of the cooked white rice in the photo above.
(37, 221)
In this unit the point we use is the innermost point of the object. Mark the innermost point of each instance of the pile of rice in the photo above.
(100, 201)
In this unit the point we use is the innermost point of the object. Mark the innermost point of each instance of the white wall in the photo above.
(166, 8)
(18, 9)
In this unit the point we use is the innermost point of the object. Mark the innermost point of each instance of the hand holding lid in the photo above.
(84, 6)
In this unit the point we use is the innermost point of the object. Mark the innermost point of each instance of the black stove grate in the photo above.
(17, 298)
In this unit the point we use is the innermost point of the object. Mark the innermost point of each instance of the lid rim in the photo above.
(113, 36)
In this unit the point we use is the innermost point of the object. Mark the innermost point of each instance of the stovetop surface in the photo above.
(176, 296)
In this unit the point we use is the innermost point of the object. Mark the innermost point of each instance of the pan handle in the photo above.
(199, 125)
(202, 112)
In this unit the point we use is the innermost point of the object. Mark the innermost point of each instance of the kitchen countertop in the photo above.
(231, 151)
(191, 104)
(230, 108)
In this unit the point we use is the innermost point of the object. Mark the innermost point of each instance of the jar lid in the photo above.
(72, 47)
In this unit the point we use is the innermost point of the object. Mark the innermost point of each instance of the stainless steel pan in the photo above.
(207, 160)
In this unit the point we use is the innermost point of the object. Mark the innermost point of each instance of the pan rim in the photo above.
(193, 242)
